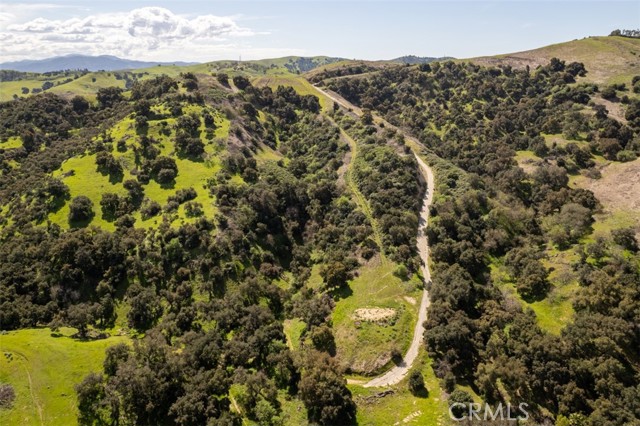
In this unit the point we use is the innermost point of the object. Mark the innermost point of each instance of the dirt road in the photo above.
(398, 372)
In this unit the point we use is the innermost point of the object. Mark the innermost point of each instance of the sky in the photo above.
(206, 30)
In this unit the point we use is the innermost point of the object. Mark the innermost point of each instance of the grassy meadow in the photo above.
(402, 407)
(43, 369)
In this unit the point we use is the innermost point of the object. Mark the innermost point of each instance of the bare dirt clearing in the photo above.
(619, 193)
(615, 109)
(619, 187)
(374, 314)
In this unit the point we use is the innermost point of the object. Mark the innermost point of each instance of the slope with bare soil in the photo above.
(607, 59)
(618, 190)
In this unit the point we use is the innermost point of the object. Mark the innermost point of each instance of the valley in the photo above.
(323, 241)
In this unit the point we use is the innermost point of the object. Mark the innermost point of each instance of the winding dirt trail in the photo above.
(398, 372)
(24, 361)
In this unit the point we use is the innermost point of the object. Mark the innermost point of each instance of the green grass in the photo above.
(607, 222)
(526, 155)
(366, 345)
(300, 84)
(556, 310)
(86, 87)
(83, 86)
(560, 140)
(43, 371)
(11, 143)
(266, 153)
(87, 180)
(315, 280)
(269, 72)
(89, 84)
(402, 407)
(293, 329)
(293, 410)
(10, 88)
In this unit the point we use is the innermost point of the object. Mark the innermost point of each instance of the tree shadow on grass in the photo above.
(421, 393)
(58, 203)
(142, 130)
(193, 158)
(341, 292)
(167, 185)
(75, 224)
(116, 178)
(535, 298)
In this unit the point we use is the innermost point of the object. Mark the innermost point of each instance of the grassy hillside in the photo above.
(616, 187)
(262, 166)
(260, 243)
(375, 317)
(607, 59)
(87, 85)
(515, 149)
(284, 78)
(9, 89)
(82, 176)
(43, 369)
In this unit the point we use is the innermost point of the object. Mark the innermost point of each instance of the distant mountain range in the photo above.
(81, 62)
(412, 59)
(113, 63)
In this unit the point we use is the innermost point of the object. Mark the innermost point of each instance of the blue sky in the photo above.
(209, 30)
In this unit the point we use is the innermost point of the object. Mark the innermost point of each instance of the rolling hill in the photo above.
(245, 232)
(607, 59)
(70, 83)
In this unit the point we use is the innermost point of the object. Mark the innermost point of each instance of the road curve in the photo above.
(398, 372)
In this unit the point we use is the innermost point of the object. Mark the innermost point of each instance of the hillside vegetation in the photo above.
(609, 59)
(70, 83)
(202, 216)
(223, 244)
(522, 271)
(46, 395)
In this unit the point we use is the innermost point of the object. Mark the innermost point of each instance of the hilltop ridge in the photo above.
(608, 59)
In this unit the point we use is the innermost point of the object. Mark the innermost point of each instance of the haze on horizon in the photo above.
(201, 31)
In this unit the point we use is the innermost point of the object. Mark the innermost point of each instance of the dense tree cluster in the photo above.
(209, 285)
(210, 294)
(473, 120)
(626, 33)
(388, 177)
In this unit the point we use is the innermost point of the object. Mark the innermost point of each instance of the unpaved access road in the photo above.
(398, 372)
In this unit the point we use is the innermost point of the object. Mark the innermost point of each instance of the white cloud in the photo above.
(6, 17)
(146, 33)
